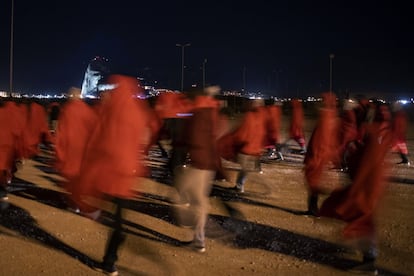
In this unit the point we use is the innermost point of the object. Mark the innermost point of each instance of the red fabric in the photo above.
(22, 114)
(251, 134)
(113, 156)
(399, 129)
(274, 124)
(154, 123)
(358, 203)
(171, 105)
(248, 138)
(223, 125)
(297, 121)
(19, 112)
(362, 112)
(8, 136)
(323, 144)
(76, 122)
(228, 147)
(202, 133)
(37, 130)
(348, 131)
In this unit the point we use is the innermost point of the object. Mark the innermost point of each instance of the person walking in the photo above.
(36, 130)
(274, 126)
(247, 142)
(9, 137)
(358, 203)
(296, 124)
(113, 158)
(76, 121)
(399, 129)
(194, 185)
(322, 150)
(348, 132)
(173, 109)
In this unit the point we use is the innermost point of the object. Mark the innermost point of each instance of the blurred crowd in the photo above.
(100, 148)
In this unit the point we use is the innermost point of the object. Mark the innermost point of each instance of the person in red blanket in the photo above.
(246, 143)
(19, 113)
(296, 124)
(194, 184)
(9, 150)
(76, 121)
(358, 203)
(53, 110)
(322, 150)
(113, 158)
(274, 126)
(174, 108)
(399, 129)
(348, 131)
(37, 130)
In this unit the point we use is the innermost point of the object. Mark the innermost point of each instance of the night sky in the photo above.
(278, 48)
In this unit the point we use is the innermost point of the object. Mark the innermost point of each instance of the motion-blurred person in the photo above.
(53, 110)
(223, 128)
(274, 126)
(8, 145)
(358, 203)
(37, 130)
(322, 150)
(246, 143)
(348, 131)
(113, 157)
(194, 185)
(76, 123)
(364, 113)
(174, 108)
(19, 113)
(296, 124)
(399, 130)
(154, 123)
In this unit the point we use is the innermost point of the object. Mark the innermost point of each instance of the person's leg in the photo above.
(241, 179)
(278, 148)
(196, 187)
(403, 150)
(313, 204)
(404, 159)
(199, 204)
(247, 163)
(116, 239)
(4, 178)
(370, 253)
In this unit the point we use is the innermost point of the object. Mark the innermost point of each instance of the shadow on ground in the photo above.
(19, 220)
(232, 229)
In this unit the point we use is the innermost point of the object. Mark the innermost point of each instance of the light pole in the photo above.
(331, 56)
(182, 62)
(244, 79)
(204, 73)
(11, 48)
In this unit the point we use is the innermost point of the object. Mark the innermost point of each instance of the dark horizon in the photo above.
(279, 49)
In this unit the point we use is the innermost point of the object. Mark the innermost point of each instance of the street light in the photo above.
(182, 62)
(204, 73)
(244, 79)
(331, 56)
(11, 48)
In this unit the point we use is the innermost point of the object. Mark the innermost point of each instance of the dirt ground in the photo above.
(260, 232)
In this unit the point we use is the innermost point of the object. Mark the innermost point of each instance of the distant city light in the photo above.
(151, 91)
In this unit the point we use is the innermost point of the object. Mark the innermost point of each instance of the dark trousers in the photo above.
(117, 236)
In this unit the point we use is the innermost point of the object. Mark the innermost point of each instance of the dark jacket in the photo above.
(202, 134)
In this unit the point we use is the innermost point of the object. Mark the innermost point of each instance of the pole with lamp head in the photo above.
(182, 62)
